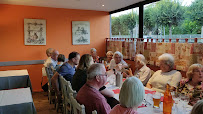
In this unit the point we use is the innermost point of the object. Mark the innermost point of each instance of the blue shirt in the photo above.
(67, 71)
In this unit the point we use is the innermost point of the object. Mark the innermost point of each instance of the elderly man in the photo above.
(52, 60)
(117, 62)
(89, 94)
(141, 70)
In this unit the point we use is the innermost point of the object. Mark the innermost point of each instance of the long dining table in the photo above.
(12, 79)
(143, 108)
(16, 101)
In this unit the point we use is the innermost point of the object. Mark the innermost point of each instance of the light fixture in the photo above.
(102, 5)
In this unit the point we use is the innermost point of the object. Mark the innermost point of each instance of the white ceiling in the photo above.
(109, 5)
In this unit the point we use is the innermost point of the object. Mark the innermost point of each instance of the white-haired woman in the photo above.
(198, 108)
(117, 61)
(131, 96)
(165, 75)
(141, 70)
(93, 52)
(109, 56)
(192, 85)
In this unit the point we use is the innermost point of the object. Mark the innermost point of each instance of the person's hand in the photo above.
(125, 75)
(118, 67)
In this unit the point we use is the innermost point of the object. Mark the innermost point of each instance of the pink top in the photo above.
(118, 109)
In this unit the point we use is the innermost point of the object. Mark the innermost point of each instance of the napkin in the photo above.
(149, 92)
(142, 106)
(116, 91)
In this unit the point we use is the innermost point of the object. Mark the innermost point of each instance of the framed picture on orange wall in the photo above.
(35, 32)
(80, 32)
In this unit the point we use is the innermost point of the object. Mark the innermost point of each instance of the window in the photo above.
(174, 19)
(125, 24)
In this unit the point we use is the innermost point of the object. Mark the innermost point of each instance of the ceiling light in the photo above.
(102, 5)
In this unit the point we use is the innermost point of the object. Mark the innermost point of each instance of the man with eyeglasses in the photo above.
(89, 94)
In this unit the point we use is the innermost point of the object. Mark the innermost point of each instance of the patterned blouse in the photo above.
(195, 93)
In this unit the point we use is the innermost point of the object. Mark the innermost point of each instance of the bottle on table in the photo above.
(167, 101)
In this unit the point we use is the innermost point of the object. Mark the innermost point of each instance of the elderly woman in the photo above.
(165, 75)
(192, 85)
(131, 96)
(141, 70)
(117, 61)
(198, 108)
(109, 56)
(93, 52)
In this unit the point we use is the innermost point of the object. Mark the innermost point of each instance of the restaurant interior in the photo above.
(29, 28)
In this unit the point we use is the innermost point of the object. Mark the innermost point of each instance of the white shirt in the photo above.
(160, 79)
(143, 74)
(50, 62)
(113, 63)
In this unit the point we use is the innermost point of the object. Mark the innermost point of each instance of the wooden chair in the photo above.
(51, 92)
(77, 108)
(68, 89)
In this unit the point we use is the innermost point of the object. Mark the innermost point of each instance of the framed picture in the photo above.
(80, 32)
(34, 32)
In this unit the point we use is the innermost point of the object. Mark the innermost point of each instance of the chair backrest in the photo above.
(49, 74)
(77, 108)
(63, 86)
(94, 112)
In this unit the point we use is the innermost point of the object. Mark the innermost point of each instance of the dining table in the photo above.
(147, 105)
(12, 79)
(17, 101)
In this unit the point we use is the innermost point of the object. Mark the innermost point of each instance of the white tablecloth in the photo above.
(12, 79)
(148, 109)
(16, 101)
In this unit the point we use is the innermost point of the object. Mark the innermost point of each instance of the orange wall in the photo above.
(58, 34)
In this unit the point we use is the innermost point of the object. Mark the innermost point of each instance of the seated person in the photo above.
(141, 70)
(109, 56)
(61, 59)
(165, 75)
(89, 94)
(93, 52)
(118, 62)
(192, 85)
(49, 51)
(67, 70)
(198, 108)
(80, 76)
(52, 60)
(131, 96)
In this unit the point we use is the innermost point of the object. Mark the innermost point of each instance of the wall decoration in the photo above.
(80, 32)
(35, 32)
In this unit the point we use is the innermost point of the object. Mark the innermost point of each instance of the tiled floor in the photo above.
(42, 105)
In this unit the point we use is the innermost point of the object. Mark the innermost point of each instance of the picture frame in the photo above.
(35, 32)
(80, 32)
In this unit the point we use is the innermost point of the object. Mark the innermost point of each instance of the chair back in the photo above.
(77, 108)
(67, 90)
(94, 112)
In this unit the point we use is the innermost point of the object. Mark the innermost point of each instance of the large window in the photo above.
(125, 24)
(172, 19)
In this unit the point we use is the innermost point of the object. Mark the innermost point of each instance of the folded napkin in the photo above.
(124, 79)
(116, 91)
(149, 92)
(142, 106)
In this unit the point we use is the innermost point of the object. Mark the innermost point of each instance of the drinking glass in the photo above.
(156, 99)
